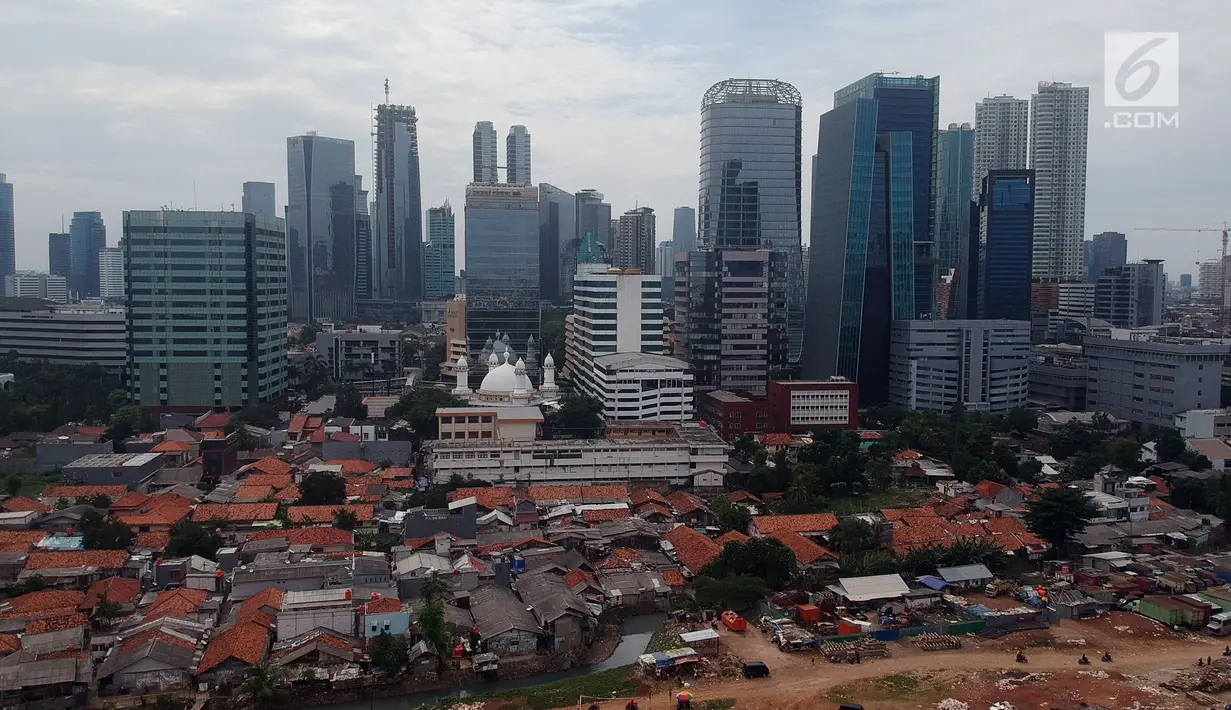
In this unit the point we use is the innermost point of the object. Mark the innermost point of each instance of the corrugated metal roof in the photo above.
(881, 586)
(965, 573)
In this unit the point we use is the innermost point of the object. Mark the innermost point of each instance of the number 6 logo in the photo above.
(1141, 69)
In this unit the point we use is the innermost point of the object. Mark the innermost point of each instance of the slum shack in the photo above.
(704, 641)
(670, 663)
(1163, 609)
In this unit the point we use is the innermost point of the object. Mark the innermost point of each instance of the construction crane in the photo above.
(1222, 292)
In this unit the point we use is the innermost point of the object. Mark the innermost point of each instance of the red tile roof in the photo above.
(740, 496)
(152, 540)
(273, 480)
(577, 494)
(892, 514)
(21, 537)
(101, 559)
(291, 492)
(131, 500)
(176, 603)
(91, 430)
(806, 551)
(118, 590)
(776, 439)
(155, 634)
(353, 465)
(252, 493)
(645, 510)
(215, 420)
(269, 465)
(9, 643)
(384, 605)
(693, 549)
(235, 512)
(685, 503)
(600, 516)
(159, 510)
(73, 492)
(732, 536)
(345, 436)
(488, 498)
(297, 424)
(56, 623)
(171, 447)
(22, 504)
(246, 642)
(253, 608)
(989, 489)
(318, 536)
(646, 495)
(326, 513)
(811, 523)
(47, 600)
(620, 558)
(398, 472)
(673, 578)
(578, 577)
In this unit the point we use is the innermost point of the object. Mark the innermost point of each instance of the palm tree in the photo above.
(261, 686)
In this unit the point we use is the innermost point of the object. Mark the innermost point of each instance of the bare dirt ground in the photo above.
(981, 673)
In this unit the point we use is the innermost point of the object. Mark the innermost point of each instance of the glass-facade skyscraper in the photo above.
(439, 271)
(1006, 228)
(1105, 250)
(8, 231)
(557, 242)
(863, 273)
(684, 229)
(321, 227)
(751, 182)
(60, 254)
(594, 219)
(911, 105)
(397, 221)
(207, 300)
(502, 269)
(954, 167)
(87, 237)
(517, 156)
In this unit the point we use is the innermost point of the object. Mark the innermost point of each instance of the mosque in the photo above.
(506, 381)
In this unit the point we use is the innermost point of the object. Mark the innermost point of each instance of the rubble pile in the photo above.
(951, 704)
(938, 642)
(867, 648)
(1214, 678)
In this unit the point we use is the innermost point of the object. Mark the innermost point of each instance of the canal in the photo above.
(634, 637)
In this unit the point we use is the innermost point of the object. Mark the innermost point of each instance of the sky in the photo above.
(113, 105)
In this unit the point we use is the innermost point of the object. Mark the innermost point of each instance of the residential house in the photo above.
(691, 510)
(158, 660)
(384, 615)
(326, 514)
(693, 550)
(54, 683)
(55, 633)
(117, 590)
(319, 647)
(231, 651)
(303, 611)
(993, 493)
(75, 569)
(565, 620)
(242, 519)
(813, 525)
(505, 626)
(281, 571)
(631, 587)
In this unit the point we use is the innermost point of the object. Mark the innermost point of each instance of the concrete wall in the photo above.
(512, 642)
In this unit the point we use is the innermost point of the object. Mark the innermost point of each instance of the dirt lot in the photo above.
(981, 673)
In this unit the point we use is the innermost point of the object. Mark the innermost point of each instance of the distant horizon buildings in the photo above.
(35, 284)
(517, 148)
(439, 271)
(111, 273)
(594, 220)
(258, 198)
(557, 242)
(634, 244)
(59, 254)
(87, 238)
(321, 227)
(954, 166)
(1104, 250)
(1002, 136)
(8, 233)
(1059, 123)
(397, 220)
(684, 229)
(486, 157)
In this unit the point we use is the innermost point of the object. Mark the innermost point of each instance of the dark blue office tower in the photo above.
(1006, 238)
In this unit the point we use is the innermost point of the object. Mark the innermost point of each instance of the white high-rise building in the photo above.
(486, 161)
(34, 284)
(634, 240)
(1059, 121)
(111, 273)
(664, 259)
(1002, 136)
(518, 156)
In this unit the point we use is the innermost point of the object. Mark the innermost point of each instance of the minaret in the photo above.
(520, 394)
(463, 377)
(549, 389)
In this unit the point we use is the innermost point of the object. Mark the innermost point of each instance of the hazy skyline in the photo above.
(123, 104)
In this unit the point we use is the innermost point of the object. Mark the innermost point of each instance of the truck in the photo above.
(996, 587)
(1220, 624)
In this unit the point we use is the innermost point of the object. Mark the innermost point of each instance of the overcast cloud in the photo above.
(124, 104)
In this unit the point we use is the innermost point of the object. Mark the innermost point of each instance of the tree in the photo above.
(735, 593)
(13, 485)
(350, 403)
(345, 519)
(98, 500)
(389, 653)
(579, 416)
(879, 473)
(1058, 516)
(1030, 470)
(853, 535)
(33, 583)
(419, 407)
(101, 533)
(1022, 421)
(1072, 438)
(866, 564)
(1194, 460)
(731, 516)
(261, 685)
(105, 613)
(127, 420)
(430, 619)
(745, 446)
(1169, 445)
(761, 557)
(1125, 453)
(322, 488)
(188, 538)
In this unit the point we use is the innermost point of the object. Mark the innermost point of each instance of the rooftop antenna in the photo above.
(194, 195)
(386, 90)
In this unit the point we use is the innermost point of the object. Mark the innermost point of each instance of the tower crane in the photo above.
(1222, 292)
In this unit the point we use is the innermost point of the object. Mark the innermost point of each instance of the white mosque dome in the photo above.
(549, 362)
(501, 379)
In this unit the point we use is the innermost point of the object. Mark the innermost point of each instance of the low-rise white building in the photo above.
(641, 386)
(1204, 424)
(303, 611)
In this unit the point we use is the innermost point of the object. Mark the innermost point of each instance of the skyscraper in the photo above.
(439, 272)
(664, 266)
(1131, 295)
(397, 225)
(1006, 215)
(59, 254)
(363, 242)
(259, 198)
(557, 242)
(1105, 250)
(751, 182)
(518, 156)
(594, 218)
(171, 361)
(502, 270)
(684, 229)
(635, 241)
(321, 226)
(954, 163)
(485, 154)
(1058, 127)
(1002, 132)
(111, 273)
(87, 237)
(8, 233)
(910, 105)
(863, 249)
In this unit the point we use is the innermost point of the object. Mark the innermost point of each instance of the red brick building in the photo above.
(795, 407)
